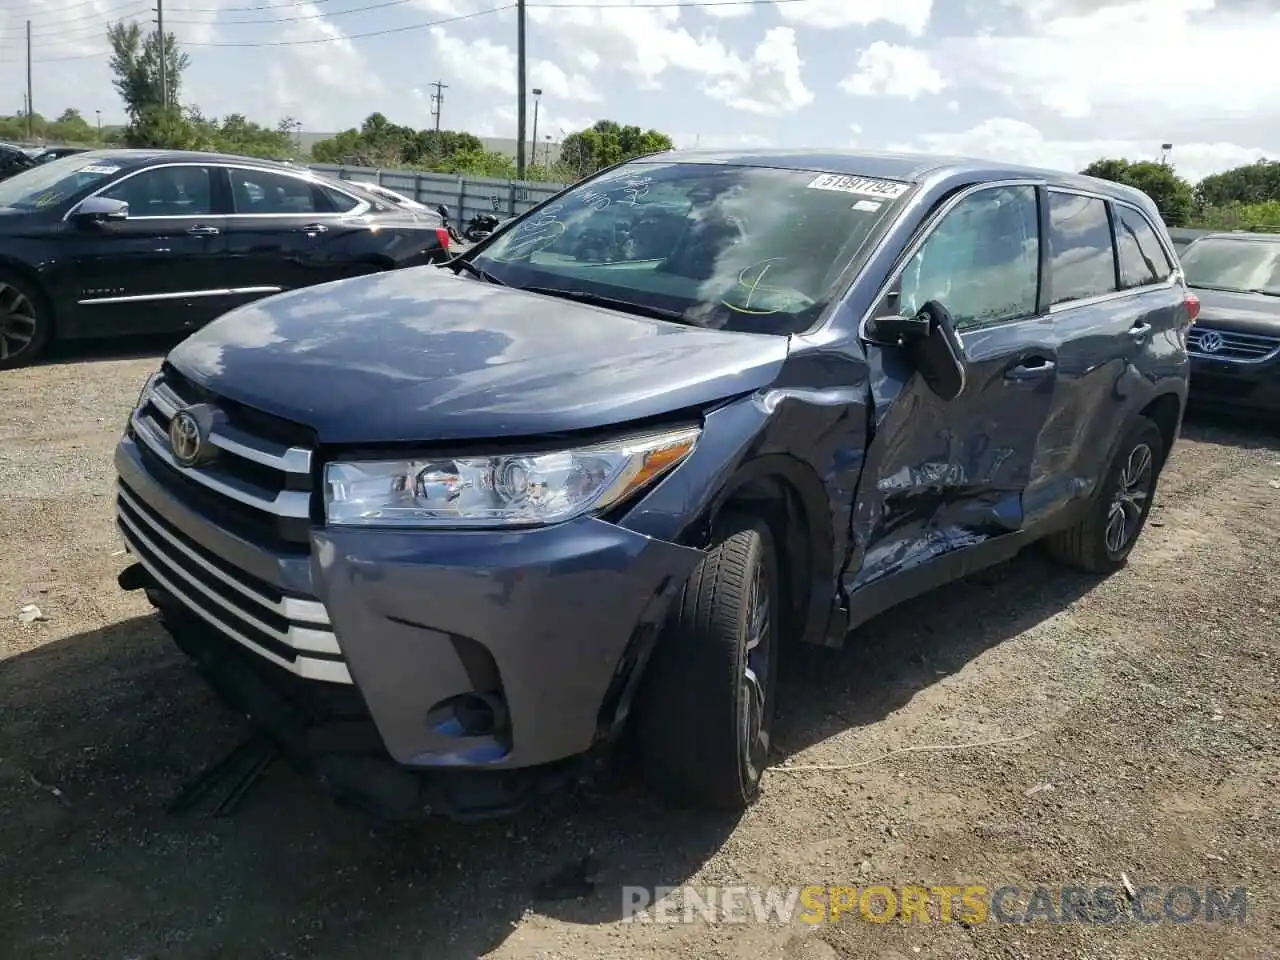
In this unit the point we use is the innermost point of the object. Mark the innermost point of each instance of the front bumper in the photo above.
(1252, 387)
(539, 628)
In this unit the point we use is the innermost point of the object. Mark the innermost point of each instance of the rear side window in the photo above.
(1142, 258)
(264, 191)
(340, 202)
(1082, 257)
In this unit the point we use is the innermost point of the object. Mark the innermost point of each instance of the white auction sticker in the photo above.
(868, 206)
(98, 168)
(862, 186)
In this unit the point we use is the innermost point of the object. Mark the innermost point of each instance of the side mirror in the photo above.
(100, 210)
(931, 342)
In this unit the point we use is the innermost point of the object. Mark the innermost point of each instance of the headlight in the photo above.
(499, 491)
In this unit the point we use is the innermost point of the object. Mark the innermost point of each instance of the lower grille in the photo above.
(1231, 345)
(292, 632)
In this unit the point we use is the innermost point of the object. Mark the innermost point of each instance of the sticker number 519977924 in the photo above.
(861, 186)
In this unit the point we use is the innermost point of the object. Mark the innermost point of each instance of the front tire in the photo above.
(706, 708)
(1102, 542)
(26, 321)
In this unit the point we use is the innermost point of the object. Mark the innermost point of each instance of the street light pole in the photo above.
(537, 100)
(99, 115)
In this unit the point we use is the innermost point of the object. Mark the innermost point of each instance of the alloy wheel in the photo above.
(17, 321)
(755, 674)
(1133, 489)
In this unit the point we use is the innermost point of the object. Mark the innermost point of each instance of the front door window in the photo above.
(983, 260)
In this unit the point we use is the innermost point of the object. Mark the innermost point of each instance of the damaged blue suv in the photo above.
(444, 533)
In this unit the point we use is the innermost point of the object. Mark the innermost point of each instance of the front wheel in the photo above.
(25, 321)
(1101, 543)
(705, 712)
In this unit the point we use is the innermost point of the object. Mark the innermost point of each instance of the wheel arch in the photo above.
(1165, 410)
(26, 272)
(791, 498)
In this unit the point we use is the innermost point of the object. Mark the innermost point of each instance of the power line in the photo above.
(127, 9)
(354, 36)
(307, 16)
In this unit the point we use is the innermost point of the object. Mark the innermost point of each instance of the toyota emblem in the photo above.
(189, 437)
(1210, 341)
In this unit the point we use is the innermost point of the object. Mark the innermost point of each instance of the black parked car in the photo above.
(13, 160)
(1235, 345)
(112, 242)
(48, 154)
(442, 534)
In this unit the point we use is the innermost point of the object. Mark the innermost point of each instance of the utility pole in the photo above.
(437, 101)
(164, 56)
(520, 94)
(30, 134)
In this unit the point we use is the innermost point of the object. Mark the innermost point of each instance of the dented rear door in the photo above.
(942, 476)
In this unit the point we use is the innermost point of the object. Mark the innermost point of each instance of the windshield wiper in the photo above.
(613, 303)
(471, 268)
(1266, 292)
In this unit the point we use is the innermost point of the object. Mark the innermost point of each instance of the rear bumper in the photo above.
(542, 628)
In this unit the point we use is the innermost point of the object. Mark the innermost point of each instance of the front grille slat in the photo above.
(267, 624)
(258, 487)
(1231, 345)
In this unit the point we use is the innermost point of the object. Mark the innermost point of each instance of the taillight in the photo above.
(1193, 307)
(442, 234)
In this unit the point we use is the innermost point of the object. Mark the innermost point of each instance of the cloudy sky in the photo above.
(1052, 82)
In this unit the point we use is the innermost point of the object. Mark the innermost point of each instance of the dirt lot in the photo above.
(1150, 701)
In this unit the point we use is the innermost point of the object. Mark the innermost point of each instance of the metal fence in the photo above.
(465, 196)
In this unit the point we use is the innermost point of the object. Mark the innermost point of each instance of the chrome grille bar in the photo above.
(1234, 346)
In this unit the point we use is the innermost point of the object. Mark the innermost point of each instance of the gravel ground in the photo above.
(1147, 702)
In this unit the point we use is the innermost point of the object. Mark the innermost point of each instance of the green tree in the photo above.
(606, 143)
(135, 61)
(1254, 183)
(70, 127)
(1172, 195)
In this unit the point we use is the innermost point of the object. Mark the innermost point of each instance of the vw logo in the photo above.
(1210, 341)
(188, 438)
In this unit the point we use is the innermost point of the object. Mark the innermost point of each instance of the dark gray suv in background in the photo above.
(446, 531)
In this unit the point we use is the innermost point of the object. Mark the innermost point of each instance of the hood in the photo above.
(421, 355)
(1245, 312)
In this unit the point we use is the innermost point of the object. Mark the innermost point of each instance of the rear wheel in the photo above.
(706, 709)
(25, 321)
(1102, 542)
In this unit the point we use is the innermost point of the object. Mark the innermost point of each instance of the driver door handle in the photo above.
(203, 230)
(1139, 330)
(312, 228)
(1030, 369)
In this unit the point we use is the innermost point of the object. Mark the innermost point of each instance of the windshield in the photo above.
(51, 183)
(739, 248)
(1245, 266)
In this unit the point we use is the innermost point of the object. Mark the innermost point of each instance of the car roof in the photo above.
(139, 157)
(909, 167)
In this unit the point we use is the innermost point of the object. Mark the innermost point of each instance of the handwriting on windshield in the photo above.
(759, 295)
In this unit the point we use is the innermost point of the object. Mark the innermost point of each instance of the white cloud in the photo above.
(770, 83)
(721, 10)
(335, 61)
(911, 15)
(1140, 55)
(888, 70)
(485, 65)
(1013, 141)
(642, 41)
